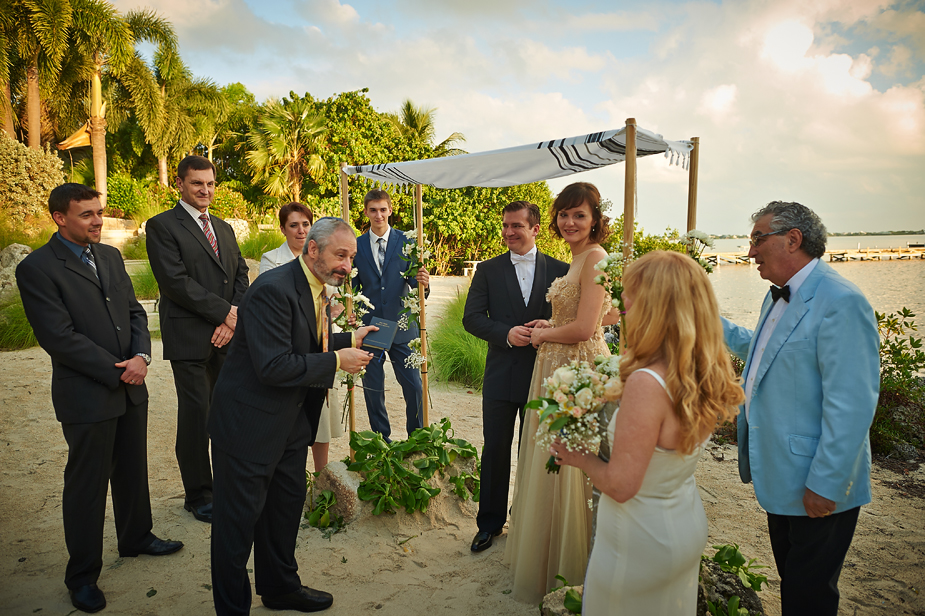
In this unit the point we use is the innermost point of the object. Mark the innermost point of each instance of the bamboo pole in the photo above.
(345, 208)
(629, 207)
(692, 185)
(419, 220)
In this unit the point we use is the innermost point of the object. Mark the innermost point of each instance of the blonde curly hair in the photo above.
(675, 317)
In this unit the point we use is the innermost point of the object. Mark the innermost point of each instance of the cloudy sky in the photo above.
(816, 101)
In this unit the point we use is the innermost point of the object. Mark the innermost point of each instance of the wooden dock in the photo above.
(863, 254)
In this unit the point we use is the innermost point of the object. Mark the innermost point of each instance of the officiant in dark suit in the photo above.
(264, 416)
(202, 277)
(506, 293)
(82, 307)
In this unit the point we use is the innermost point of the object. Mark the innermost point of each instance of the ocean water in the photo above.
(888, 285)
(833, 243)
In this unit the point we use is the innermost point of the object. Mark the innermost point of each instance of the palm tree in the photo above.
(37, 32)
(284, 147)
(417, 123)
(189, 106)
(107, 39)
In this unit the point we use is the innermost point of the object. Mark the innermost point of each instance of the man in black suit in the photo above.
(265, 415)
(82, 308)
(507, 294)
(202, 278)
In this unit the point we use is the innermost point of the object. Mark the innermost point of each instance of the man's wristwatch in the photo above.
(145, 357)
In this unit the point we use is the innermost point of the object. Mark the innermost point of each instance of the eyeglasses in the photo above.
(755, 240)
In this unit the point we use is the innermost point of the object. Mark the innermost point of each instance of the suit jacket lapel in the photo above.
(187, 222)
(538, 293)
(396, 243)
(73, 262)
(102, 269)
(306, 300)
(513, 287)
(364, 252)
(796, 310)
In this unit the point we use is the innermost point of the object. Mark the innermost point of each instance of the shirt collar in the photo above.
(800, 277)
(316, 285)
(385, 236)
(532, 252)
(77, 249)
(193, 211)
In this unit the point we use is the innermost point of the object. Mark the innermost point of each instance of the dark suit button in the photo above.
(118, 329)
(299, 404)
(225, 281)
(107, 299)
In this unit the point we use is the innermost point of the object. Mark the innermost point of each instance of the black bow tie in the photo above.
(780, 292)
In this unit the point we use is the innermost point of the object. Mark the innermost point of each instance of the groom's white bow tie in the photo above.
(530, 257)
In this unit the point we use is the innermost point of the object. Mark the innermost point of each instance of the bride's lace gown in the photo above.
(550, 529)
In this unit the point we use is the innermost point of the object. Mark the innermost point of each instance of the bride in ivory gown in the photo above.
(678, 383)
(550, 530)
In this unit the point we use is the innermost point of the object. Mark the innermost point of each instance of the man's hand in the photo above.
(231, 320)
(423, 277)
(539, 324)
(519, 336)
(817, 506)
(361, 333)
(352, 320)
(135, 370)
(222, 335)
(353, 360)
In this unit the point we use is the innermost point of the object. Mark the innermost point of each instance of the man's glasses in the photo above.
(755, 240)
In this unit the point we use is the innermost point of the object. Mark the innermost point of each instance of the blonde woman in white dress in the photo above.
(678, 383)
(294, 221)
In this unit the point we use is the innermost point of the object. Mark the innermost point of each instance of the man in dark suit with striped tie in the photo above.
(265, 413)
(202, 278)
(82, 307)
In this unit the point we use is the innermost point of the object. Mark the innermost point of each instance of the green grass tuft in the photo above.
(15, 331)
(257, 244)
(457, 355)
(135, 249)
(144, 283)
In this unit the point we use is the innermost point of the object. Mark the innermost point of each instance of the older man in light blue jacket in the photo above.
(812, 380)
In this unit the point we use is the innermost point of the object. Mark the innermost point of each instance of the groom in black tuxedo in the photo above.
(506, 293)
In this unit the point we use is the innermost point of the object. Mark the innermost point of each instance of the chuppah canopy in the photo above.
(526, 163)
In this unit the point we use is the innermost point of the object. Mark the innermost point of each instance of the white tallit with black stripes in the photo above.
(526, 163)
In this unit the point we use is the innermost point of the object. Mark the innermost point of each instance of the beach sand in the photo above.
(390, 565)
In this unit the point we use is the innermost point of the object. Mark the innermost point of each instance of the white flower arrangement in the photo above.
(696, 241)
(570, 411)
(411, 310)
(415, 360)
(416, 256)
(611, 277)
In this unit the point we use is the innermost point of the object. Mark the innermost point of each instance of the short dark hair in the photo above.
(61, 196)
(294, 206)
(573, 196)
(196, 163)
(533, 211)
(377, 194)
(321, 232)
(790, 215)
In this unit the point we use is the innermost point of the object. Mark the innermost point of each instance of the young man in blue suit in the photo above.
(379, 277)
(812, 380)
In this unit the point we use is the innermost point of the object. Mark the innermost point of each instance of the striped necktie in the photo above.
(207, 229)
(87, 257)
(381, 255)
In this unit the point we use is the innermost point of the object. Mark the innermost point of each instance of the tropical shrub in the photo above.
(456, 355)
(15, 330)
(125, 196)
(26, 178)
(258, 243)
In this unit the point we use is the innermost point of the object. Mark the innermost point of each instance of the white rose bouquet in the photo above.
(570, 411)
(696, 241)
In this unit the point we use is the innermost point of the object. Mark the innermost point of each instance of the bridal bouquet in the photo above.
(570, 412)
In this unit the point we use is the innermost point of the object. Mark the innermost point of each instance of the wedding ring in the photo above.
(132, 382)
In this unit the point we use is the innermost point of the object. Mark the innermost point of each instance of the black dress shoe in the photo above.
(88, 598)
(203, 513)
(483, 540)
(303, 600)
(158, 547)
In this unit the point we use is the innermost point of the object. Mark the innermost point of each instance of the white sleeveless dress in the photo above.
(646, 554)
